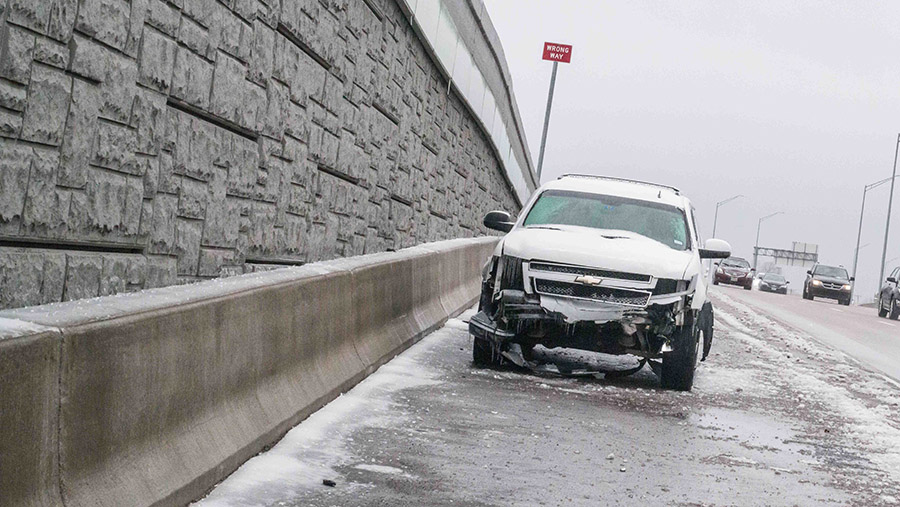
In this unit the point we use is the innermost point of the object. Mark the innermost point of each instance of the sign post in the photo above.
(555, 53)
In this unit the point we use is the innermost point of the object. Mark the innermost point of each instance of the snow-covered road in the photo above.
(774, 419)
(856, 330)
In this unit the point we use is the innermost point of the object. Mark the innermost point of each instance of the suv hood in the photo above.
(597, 248)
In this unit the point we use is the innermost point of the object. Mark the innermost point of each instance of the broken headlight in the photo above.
(509, 274)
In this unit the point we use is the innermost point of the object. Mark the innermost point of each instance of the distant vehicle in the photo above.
(889, 297)
(604, 265)
(773, 282)
(830, 282)
(734, 271)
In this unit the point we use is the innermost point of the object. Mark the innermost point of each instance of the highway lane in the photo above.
(774, 419)
(854, 330)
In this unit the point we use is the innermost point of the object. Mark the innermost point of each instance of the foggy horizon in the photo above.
(793, 106)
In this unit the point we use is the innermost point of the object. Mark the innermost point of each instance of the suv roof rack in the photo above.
(627, 180)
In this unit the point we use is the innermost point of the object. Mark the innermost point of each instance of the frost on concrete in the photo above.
(311, 451)
(13, 328)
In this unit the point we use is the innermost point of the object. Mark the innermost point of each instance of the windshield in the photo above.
(774, 278)
(735, 262)
(661, 222)
(832, 272)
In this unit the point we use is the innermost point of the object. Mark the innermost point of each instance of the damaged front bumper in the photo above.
(516, 317)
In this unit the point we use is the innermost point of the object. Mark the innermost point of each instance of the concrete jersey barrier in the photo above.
(152, 398)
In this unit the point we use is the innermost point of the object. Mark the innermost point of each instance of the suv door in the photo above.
(889, 289)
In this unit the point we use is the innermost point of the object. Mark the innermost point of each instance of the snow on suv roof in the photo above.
(619, 187)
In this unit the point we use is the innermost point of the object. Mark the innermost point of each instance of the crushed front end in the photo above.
(559, 305)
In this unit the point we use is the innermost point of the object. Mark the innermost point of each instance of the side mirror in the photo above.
(498, 221)
(808, 271)
(891, 279)
(787, 282)
(715, 249)
(852, 278)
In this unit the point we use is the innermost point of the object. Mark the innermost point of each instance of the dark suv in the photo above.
(889, 297)
(830, 282)
(734, 271)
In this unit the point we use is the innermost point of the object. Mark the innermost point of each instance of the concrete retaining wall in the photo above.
(145, 143)
(151, 398)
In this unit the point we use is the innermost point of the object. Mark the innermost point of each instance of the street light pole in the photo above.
(887, 224)
(719, 204)
(862, 211)
(758, 227)
(715, 222)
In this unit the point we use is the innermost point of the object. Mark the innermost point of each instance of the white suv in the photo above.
(601, 264)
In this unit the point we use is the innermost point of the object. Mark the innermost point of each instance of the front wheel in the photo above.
(679, 365)
(881, 311)
(894, 312)
(748, 287)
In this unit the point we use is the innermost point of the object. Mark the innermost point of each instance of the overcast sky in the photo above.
(796, 105)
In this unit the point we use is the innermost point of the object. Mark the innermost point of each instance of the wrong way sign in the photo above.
(556, 52)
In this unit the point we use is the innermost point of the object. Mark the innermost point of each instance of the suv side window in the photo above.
(894, 272)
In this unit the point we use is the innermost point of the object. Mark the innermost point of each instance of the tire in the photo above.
(483, 353)
(706, 321)
(845, 302)
(748, 287)
(894, 312)
(679, 365)
(805, 293)
(881, 311)
(715, 282)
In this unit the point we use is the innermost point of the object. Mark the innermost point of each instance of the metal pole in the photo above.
(756, 245)
(546, 122)
(758, 226)
(859, 233)
(887, 225)
(715, 220)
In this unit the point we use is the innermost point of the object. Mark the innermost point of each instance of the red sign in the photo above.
(557, 52)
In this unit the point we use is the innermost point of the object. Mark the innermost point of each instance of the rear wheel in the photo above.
(749, 286)
(483, 353)
(679, 365)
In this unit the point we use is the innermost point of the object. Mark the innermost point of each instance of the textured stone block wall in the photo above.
(147, 142)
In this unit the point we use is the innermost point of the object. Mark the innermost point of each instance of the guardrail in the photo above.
(152, 398)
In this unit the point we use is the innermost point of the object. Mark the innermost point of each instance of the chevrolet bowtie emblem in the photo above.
(588, 280)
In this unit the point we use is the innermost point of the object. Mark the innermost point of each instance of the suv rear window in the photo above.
(660, 222)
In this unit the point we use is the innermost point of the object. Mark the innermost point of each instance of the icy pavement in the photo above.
(774, 419)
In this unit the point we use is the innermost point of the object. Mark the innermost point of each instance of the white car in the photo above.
(601, 264)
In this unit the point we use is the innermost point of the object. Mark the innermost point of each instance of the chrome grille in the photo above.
(624, 297)
(832, 286)
(576, 270)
